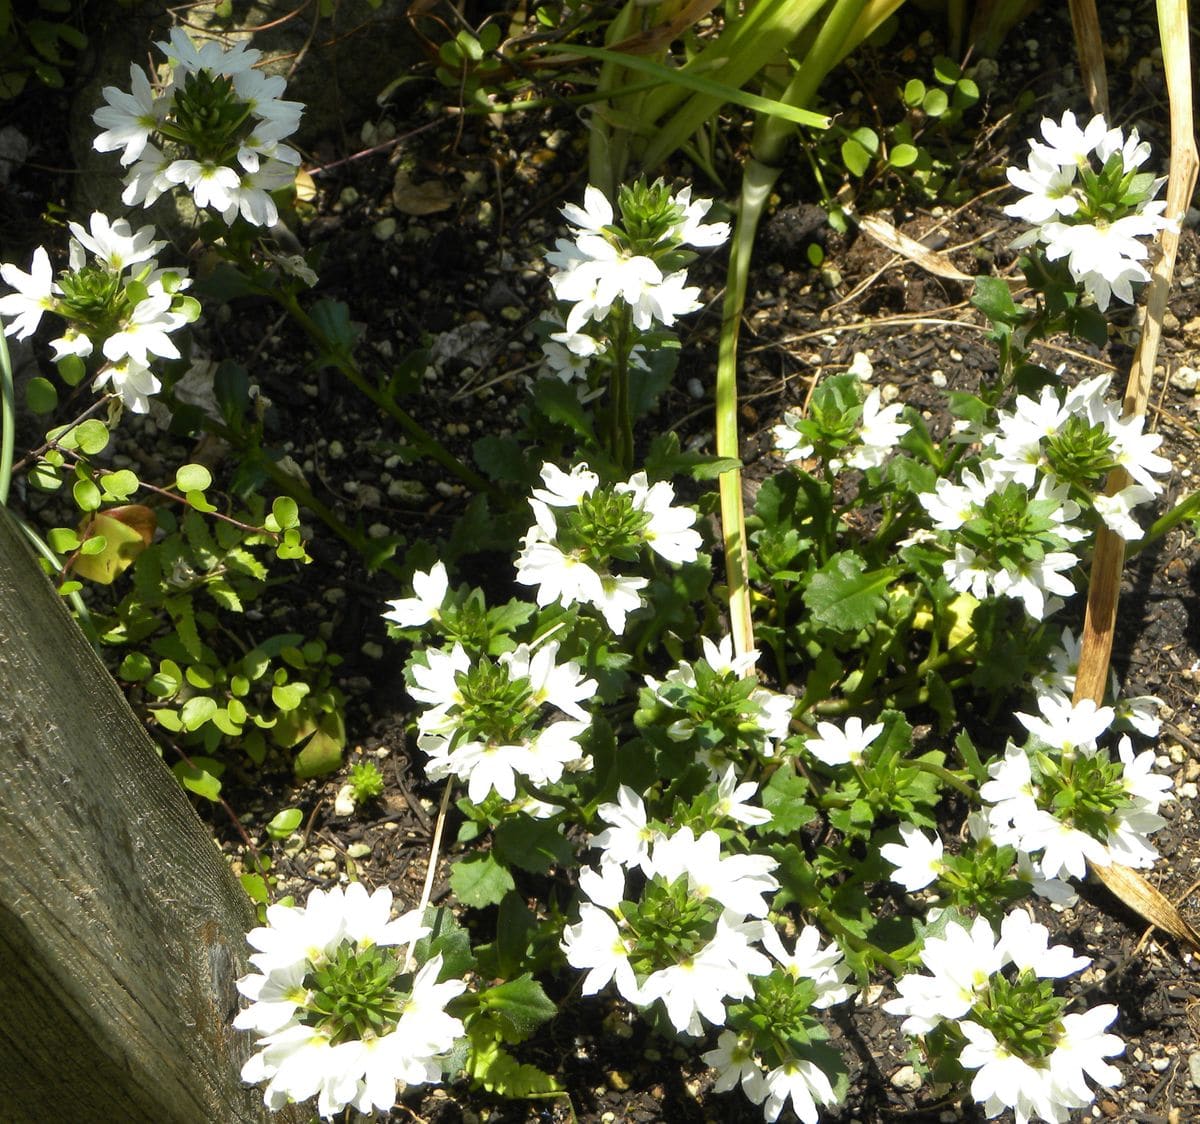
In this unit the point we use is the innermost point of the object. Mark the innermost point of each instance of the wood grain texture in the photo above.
(121, 926)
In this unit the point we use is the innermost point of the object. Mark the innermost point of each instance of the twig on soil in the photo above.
(431, 867)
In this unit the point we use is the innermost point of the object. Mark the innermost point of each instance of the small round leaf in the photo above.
(192, 478)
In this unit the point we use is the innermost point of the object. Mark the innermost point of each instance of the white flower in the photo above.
(698, 987)
(561, 578)
(436, 686)
(690, 230)
(878, 431)
(132, 382)
(34, 295)
(798, 1079)
(1066, 848)
(128, 120)
(596, 944)
(1005, 1080)
(669, 531)
(565, 489)
(211, 185)
(562, 685)
(627, 839)
(113, 244)
(1115, 510)
(1081, 1049)
(1149, 788)
(825, 967)
(146, 331)
(962, 963)
(1066, 143)
(917, 859)
(731, 800)
(738, 882)
(1027, 945)
(429, 592)
(734, 1060)
(619, 596)
(182, 52)
(789, 442)
(843, 747)
(1048, 190)
(1067, 726)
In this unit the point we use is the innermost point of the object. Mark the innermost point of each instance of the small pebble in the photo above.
(372, 650)
(384, 229)
(906, 1079)
(358, 850)
(695, 388)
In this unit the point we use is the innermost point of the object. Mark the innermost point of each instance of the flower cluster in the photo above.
(338, 1013)
(1009, 540)
(636, 265)
(989, 1003)
(845, 426)
(1065, 797)
(119, 305)
(484, 720)
(581, 529)
(717, 704)
(688, 940)
(216, 127)
(766, 1049)
(1089, 205)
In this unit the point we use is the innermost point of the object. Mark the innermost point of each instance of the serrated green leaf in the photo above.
(480, 880)
(783, 796)
(844, 596)
(533, 845)
(520, 1003)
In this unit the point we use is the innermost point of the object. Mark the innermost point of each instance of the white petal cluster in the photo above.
(236, 182)
(1106, 255)
(765, 716)
(843, 746)
(583, 573)
(964, 965)
(878, 432)
(1037, 583)
(597, 270)
(425, 605)
(460, 744)
(693, 987)
(299, 1054)
(1019, 815)
(135, 328)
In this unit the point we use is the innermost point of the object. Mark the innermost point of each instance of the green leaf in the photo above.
(119, 486)
(41, 396)
(480, 880)
(946, 70)
(92, 436)
(338, 334)
(286, 512)
(45, 478)
(783, 796)
(993, 298)
(490, 1066)
(288, 696)
(284, 823)
(936, 103)
(856, 158)
(844, 596)
(87, 495)
(902, 156)
(201, 775)
(197, 710)
(914, 92)
(322, 753)
(559, 403)
(521, 1003)
(62, 540)
(134, 667)
(192, 478)
(93, 545)
(255, 886)
(533, 845)
(71, 369)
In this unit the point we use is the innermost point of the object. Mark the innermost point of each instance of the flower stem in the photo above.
(431, 866)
